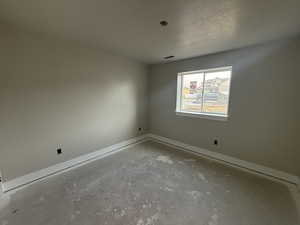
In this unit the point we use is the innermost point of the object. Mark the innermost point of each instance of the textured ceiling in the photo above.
(131, 27)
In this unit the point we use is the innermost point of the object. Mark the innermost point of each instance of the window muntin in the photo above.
(204, 92)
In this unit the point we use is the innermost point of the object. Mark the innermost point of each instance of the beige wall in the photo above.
(55, 93)
(264, 105)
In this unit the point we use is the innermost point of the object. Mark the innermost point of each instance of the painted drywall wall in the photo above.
(264, 105)
(55, 93)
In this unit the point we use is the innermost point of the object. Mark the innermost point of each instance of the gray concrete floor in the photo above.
(151, 184)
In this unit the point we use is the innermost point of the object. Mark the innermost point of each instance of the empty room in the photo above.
(149, 112)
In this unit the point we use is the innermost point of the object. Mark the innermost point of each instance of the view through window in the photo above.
(205, 91)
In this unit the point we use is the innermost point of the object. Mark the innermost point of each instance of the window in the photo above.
(204, 93)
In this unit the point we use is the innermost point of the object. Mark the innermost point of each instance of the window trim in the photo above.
(212, 116)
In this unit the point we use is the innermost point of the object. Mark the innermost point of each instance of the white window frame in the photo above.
(211, 116)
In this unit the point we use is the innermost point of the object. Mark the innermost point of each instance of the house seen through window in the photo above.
(204, 92)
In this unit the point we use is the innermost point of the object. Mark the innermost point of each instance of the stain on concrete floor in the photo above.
(151, 184)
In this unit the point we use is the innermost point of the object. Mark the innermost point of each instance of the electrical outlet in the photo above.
(59, 151)
(216, 142)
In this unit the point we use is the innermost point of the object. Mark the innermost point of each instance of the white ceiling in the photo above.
(131, 27)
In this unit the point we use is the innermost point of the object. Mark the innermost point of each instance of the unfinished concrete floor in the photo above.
(151, 184)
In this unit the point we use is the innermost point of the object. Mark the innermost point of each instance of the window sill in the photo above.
(203, 116)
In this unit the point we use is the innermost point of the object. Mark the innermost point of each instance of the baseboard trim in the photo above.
(228, 160)
(84, 159)
(70, 164)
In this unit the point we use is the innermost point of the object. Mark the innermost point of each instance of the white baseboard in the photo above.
(228, 160)
(84, 159)
(70, 164)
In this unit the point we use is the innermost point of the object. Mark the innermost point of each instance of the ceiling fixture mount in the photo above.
(169, 57)
(163, 23)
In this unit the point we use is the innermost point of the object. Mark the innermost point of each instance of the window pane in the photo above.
(192, 88)
(216, 92)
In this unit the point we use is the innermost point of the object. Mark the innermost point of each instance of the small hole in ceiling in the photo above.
(163, 23)
(169, 57)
